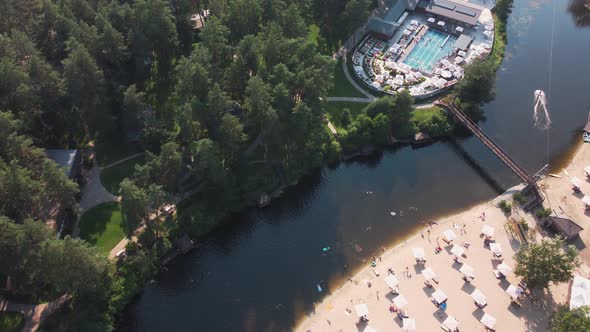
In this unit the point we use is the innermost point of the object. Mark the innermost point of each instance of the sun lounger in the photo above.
(375, 272)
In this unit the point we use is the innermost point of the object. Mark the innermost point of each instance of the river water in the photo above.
(259, 272)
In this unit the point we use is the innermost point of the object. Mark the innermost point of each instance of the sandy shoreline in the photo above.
(336, 312)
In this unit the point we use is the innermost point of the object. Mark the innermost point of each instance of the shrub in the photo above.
(519, 198)
(505, 206)
(543, 213)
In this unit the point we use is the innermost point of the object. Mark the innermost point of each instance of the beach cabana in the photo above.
(504, 269)
(441, 23)
(577, 183)
(439, 296)
(580, 293)
(462, 53)
(369, 329)
(446, 74)
(391, 281)
(431, 20)
(400, 301)
(487, 230)
(496, 248)
(514, 291)
(361, 309)
(479, 298)
(428, 274)
(449, 235)
(409, 324)
(451, 323)
(586, 201)
(467, 270)
(457, 250)
(419, 254)
(459, 29)
(489, 321)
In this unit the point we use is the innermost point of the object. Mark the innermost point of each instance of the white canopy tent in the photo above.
(514, 291)
(586, 200)
(451, 323)
(504, 269)
(576, 182)
(467, 270)
(431, 20)
(580, 293)
(450, 235)
(488, 230)
(462, 53)
(479, 297)
(488, 320)
(428, 274)
(441, 23)
(496, 248)
(400, 301)
(439, 296)
(409, 324)
(459, 29)
(457, 250)
(391, 281)
(446, 74)
(361, 309)
(419, 253)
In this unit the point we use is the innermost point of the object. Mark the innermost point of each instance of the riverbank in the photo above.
(337, 310)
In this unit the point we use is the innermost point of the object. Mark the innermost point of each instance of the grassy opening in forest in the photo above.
(103, 226)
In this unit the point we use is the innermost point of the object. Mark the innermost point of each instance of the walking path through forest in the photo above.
(34, 314)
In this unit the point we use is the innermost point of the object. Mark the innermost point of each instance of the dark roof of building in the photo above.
(459, 11)
(64, 158)
(565, 226)
(396, 11)
(463, 42)
(184, 243)
(382, 27)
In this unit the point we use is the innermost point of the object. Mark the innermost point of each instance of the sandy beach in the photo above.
(337, 311)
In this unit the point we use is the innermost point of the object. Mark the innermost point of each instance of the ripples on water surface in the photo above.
(258, 273)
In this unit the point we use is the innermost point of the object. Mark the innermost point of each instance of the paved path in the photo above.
(123, 160)
(350, 99)
(94, 193)
(34, 313)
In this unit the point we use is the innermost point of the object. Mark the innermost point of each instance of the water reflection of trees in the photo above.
(580, 11)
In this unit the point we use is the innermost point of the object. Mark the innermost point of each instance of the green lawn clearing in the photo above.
(425, 114)
(342, 87)
(334, 111)
(11, 321)
(112, 176)
(102, 226)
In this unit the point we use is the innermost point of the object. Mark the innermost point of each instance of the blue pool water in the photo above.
(428, 51)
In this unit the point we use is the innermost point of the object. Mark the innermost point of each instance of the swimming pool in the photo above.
(428, 51)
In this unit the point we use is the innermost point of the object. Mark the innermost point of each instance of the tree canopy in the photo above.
(566, 320)
(539, 264)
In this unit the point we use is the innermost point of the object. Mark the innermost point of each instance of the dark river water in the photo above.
(259, 273)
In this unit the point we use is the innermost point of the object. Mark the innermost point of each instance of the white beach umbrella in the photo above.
(478, 296)
(361, 309)
(439, 296)
(450, 235)
(504, 269)
(467, 270)
(586, 200)
(451, 323)
(428, 274)
(418, 253)
(400, 301)
(391, 281)
(458, 60)
(409, 324)
(514, 291)
(457, 250)
(445, 62)
(488, 230)
(462, 53)
(496, 248)
(459, 29)
(369, 329)
(488, 320)
(446, 74)
(441, 23)
(431, 20)
(576, 182)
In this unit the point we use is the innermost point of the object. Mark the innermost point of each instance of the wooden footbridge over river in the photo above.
(498, 151)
